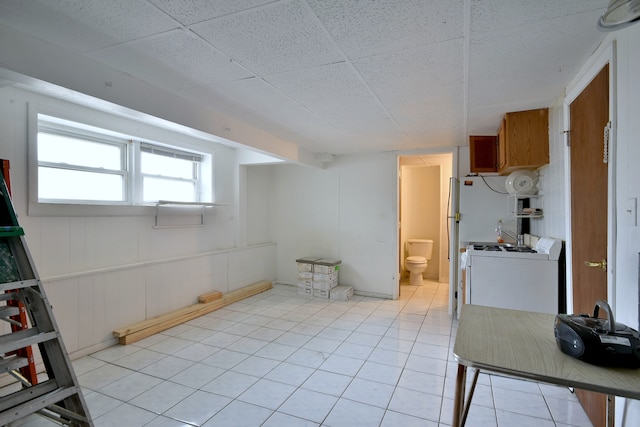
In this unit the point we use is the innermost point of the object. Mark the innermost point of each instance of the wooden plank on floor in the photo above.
(146, 328)
(211, 296)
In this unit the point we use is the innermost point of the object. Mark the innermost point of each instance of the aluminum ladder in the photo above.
(59, 396)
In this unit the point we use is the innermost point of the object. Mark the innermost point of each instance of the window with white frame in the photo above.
(79, 164)
(169, 174)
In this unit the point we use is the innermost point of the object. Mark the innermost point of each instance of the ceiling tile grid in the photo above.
(279, 37)
(83, 25)
(366, 28)
(544, 63)
(325, 83)
(497, 15)
(189, 12)
(174, 60)
(335, 76)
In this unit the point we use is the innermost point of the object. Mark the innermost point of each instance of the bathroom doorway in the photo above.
(423, 188)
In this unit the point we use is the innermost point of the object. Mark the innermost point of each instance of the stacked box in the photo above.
(341, 293)
(321, 293)
(325, 282)
(325, 274)
(326, 266)
(305, 275)
(317, 276)
(306, 264)
(307, 291)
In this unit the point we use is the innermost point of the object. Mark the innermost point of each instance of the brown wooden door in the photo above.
(589, 114)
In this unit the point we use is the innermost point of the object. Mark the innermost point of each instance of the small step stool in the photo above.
(59, 397)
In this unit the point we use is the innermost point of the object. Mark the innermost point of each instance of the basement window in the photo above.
(80, 167)
(79, 164)
(169, 174)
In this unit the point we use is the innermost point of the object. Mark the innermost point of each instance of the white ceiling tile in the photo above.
(174, 60)
(543, 57)
(251, 94)
(413, 74)
(278, 37)
(492, 15)
(83, 25)
(320, 84)
(353, 114)
(190, 12)
(365, 28)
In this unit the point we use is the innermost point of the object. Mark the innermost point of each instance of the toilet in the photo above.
(419, 254)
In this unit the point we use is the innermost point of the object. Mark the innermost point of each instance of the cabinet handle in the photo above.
(602, 264)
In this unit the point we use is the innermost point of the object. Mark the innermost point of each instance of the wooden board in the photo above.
(146, 328)
(211, 296)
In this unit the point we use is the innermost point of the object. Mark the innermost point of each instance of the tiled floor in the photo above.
(279, 359)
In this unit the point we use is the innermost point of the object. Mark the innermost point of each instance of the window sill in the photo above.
(63, 209)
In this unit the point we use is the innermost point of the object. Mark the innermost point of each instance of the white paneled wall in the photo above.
(552, 180)
(346, 211)
(105, 272)
(90, 306)
(627, 154)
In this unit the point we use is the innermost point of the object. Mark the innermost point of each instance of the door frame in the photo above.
(606, 54)
(453, 261)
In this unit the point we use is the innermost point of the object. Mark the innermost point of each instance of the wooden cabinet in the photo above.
(523, 140)
(483, 151)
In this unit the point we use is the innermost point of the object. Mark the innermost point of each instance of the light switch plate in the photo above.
(631, 212)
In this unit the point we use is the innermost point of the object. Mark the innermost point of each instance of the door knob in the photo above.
(602, 264)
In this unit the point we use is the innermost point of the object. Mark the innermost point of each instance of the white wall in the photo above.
(551, 185)
(104, 272)
(346, 211)
(628, 180)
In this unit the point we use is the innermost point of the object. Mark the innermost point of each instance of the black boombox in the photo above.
(598, 341)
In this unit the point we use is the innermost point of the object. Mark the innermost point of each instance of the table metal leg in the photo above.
(468, 402)
(458, 401)
(460, 407)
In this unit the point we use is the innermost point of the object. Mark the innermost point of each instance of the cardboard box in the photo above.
(326, 266)
(305, 275)
(341, 293)
(324, 286)
(305, 291)
(320, 293)
(306, 264)
(319, 277)
(305, 284)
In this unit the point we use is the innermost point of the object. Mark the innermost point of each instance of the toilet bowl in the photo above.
(419, 253)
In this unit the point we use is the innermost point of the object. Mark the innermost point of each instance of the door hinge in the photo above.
(567, 137)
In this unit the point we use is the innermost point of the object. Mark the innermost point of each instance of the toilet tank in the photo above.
(420, 247)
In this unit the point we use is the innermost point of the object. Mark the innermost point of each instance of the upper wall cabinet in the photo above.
(523, 140)
(483, 151)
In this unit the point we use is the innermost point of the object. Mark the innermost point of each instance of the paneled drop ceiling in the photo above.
(335, 76)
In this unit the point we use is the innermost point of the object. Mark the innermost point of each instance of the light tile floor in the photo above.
(280, 359)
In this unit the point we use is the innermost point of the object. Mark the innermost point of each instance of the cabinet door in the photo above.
(526, 140)
(502, 145)
(484, 153)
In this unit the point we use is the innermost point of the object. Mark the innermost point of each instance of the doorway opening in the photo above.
(423, 191)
